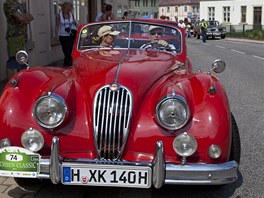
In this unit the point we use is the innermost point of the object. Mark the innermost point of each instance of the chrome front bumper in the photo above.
(162, 173)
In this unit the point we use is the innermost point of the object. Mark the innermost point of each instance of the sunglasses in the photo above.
(154, 33)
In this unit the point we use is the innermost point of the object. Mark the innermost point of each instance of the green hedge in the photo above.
(249, 34)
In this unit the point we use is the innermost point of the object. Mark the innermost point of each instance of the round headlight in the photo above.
(49, 111)
(185, 145)
(172, 112)
(214, 151)
(32, 140)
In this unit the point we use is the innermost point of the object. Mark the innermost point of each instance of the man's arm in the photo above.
(25, 18)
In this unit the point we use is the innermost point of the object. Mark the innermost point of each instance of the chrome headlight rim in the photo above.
(58, 99)
(182, 101)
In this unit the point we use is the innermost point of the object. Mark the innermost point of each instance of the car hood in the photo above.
(136, 70)
(132, 69)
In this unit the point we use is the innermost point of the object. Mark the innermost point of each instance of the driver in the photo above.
(156, 38)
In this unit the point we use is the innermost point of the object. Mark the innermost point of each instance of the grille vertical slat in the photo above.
(111, 118)
(97, 121)
(120, 121)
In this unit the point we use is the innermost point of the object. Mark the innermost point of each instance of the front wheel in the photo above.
(235, 145)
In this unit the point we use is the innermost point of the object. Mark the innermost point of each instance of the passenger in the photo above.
(106, 36)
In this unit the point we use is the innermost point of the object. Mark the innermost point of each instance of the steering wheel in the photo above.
(155, 45)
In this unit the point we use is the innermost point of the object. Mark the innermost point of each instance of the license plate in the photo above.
(18, 162)
(106, 175)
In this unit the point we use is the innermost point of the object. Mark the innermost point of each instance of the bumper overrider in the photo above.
(160, 172)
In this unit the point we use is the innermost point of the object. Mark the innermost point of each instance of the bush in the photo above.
(249, 34)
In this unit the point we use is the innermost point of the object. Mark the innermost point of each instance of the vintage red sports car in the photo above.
(132, 114)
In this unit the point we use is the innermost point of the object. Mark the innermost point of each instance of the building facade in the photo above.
(144, 8)
(180, 9)
(234, 12)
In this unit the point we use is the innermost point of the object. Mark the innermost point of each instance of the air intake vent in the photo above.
(111, 119)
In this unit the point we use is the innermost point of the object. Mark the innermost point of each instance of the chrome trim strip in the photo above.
(54, 161)
(159, 166)
(201, 174)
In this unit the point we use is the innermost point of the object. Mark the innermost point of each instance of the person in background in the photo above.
(162, 17)
(125, 15)
(66, 28)
(188, 30)
(16, 35)
(108, 15)
(181, 24)
(99, 14)
(204, 29)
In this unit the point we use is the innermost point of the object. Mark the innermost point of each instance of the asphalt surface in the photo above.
(9, 188)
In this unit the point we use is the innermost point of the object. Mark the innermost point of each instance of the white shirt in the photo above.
(66, 23)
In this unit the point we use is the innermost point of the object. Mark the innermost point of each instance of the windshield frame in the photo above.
(129, 35)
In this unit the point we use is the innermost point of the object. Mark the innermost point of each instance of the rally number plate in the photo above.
(18, 162)
(106, 175)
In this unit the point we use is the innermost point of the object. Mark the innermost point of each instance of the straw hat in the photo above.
(107, 29)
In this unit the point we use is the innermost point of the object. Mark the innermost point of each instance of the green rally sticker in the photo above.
(18, 159)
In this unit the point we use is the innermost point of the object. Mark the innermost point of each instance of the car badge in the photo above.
(114, 87)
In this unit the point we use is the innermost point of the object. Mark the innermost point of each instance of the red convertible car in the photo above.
(134, 114)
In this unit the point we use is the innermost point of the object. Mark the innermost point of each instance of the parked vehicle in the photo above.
(214, 30)
(124, 116)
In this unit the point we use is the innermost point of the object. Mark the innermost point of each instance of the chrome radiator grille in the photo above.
(111, 119)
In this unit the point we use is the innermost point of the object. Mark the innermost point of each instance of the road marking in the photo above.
(258, 57)
(237, 51)
(220, 46)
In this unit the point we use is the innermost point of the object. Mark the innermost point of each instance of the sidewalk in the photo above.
(244, 40)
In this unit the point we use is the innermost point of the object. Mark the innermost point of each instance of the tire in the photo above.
(223, 36)
(27, 183)
(235, 145)
(198, 36)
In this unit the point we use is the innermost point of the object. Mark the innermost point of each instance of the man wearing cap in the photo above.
(155, 35)
(106, 35)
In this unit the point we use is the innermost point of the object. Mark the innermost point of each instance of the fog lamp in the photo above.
(32, 140)
(214, 151)
(185, 144)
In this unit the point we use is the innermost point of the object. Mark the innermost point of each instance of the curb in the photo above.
(244, 40)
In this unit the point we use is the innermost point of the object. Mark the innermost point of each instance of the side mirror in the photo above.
(22, 57)
(218, 66)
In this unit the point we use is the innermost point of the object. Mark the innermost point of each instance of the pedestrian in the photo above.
(108, 15)
(125, 15)
(66, 29)
(16, 35)
(100, 13)
(204, 29)
(181, 24)
(188, 30)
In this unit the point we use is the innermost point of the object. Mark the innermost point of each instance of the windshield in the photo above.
(132, 35)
